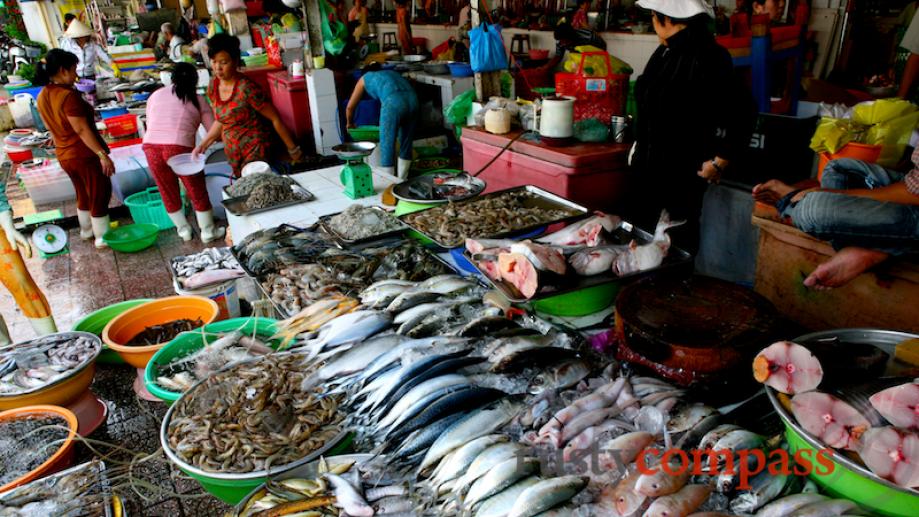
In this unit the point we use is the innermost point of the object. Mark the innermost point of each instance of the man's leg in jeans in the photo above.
(846, 173)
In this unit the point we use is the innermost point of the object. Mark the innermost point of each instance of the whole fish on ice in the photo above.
(646, 256)
(349, 327)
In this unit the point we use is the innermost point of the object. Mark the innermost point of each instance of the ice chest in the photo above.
(593, 175)
(288, 94)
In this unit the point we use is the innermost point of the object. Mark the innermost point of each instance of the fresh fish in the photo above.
(212, 276)
(593, 261)
(739, 439)
(348, 498)
(646, 256)
(355, 359)
(764, 488)
(838, 424)
(501, 503)
(544, 258)
(661, 482)
(546, 494)
(788, 504)
(689, 416)
(353, 326)
(587, 232)
(587, 419)
(680, 504)
(601, 397)
(788, 367)
(423, 438)
(831, 508)
(419, 311)
(394, 505)
(525, 350)
(445, 284)
(564, 375)
(500, 477)
(426, 369)
(592, 435)
(479, 423)
(711, 438)
(395, 354)
(409, 372)
(621, 499)
(410, 299)
(899, 405)
(380, 296)
(485, 461)
(892, 454)
(517, 270)
(485, 325)
(622, 450)
(461, 401)
(463, 457)
(419, 393)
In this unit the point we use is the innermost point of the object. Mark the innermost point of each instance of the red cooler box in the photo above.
(289, 97)
(594, 175)
(259, 74)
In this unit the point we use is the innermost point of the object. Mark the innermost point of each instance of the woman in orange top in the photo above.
(404, 27)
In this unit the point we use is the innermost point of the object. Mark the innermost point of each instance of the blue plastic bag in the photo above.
(486, 52)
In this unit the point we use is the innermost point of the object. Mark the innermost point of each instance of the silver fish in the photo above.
(764, 487)
(499, 477)
(348, 498)
(486, 460)
(831, 508)
(708, 441)
(564, 375)
(500, 504)
(410, 299)
(462, 458)
(479, 423)
(398, 412)
(346, 328)
(788, 504)
(546, 494)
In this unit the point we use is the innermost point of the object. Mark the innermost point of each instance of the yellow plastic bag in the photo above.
(886, 122)
(595, 66)
(834, 133)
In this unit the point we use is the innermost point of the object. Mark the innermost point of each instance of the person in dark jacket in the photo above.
(694, 117)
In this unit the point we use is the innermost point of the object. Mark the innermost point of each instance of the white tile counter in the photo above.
(325, 185)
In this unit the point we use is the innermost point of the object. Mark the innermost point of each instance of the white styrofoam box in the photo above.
(47, 183)
(291, 40)
(320, 87)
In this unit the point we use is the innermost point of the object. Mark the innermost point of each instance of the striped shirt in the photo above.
(912, 177)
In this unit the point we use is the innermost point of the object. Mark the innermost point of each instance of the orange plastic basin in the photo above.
(57, 394)
(61, 458)
(854, 150)
(132, 322)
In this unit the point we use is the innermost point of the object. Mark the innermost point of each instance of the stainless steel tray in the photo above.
(570, 282)
(344, 242)
(544, 199)
(51, 481)
(237, 205)
(175, 276)
(404, 191)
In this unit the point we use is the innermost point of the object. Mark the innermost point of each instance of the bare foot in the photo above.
(843, 267)
(771, 191)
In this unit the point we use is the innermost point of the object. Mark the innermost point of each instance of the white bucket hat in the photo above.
(678, 9)
(77, 29)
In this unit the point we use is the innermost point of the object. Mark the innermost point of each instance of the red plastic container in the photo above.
(289, 96)
(255, 8)
(259, 74)
(121, 125)
(597, 97)
(594, 175)
(18, 154)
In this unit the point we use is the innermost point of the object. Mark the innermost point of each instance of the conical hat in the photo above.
(77, 29)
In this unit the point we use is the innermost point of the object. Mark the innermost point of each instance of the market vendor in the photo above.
(398, 115)
(13, 272)
(404, 27)
(79, 147)
(579, 20)
(693, 118)
(245, 117)
(866, 212)
(359, 14)
(173, 116)
(775, 9)
(173, 42)
(79, 41)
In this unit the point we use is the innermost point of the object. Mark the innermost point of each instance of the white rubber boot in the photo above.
(43, 326)
(404, 166)
(209, 231)
(86, 224)
(100, 226)
(389, 171)
(182, 226)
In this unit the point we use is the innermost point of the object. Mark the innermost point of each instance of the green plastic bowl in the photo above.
(365, 133)
(189, 342)
(579, 303)
(544, 90)
(132, 238)
(95, 323)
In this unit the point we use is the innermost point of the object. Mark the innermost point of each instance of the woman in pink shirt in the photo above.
(173, 116)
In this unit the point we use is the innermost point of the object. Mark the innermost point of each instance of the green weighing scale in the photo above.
(49, 239)
(356, 176)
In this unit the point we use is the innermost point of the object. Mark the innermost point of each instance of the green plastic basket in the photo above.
(146, 207)
(580, 303)
(131, 238)
(95, 323)
(365, 133)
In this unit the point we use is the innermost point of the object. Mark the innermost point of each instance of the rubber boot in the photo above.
(86, 224)
(43, 326)
(100, 226)
(209, 231)
(182, 226)
(389, 171)
(403, 168)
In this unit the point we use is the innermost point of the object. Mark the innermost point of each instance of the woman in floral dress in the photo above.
(245, 118)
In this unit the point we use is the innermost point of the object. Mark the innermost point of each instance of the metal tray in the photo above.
(544, 199)
(343, 242)
(402, 191)
(51, 481)
(237, 205)
(561, 284)
(241, 262)
(175, 276)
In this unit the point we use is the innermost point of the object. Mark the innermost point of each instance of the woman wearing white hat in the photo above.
(694, 117)
(78, 40)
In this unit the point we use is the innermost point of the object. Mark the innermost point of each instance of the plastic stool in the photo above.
(517, 44)
(389, 41)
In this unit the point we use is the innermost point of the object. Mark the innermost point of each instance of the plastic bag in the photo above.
(334, 34)
(444, 51)
(595, 66)
(486, 52)
(886, 122)
(459, 109)
(497, 103)
(832, 134)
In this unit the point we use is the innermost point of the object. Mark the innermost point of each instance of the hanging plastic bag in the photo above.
(486, 52)
(459, 109)
(334, 33)
(444, 51)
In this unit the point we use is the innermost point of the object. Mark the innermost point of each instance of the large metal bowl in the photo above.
(352, 150)
(850, 479)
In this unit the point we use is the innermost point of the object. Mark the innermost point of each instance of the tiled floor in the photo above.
(88, 279)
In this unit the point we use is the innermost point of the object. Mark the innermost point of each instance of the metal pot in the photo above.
(436, 68)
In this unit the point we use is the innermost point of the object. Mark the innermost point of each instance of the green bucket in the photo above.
(579, 303)
(233, 491)
(95, 323)
(189, 342)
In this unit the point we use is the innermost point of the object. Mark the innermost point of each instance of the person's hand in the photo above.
(709, 172)
(198, 151)
(13, 235)
(296, 154)
(108, 166)
(351, 124)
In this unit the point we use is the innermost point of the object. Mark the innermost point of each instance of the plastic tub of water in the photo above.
(225, 294)
(185, 165)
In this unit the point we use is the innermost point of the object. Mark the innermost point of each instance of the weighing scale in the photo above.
(356, 176)
(50, 240)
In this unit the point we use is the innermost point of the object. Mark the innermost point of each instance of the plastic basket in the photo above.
(121, 125)
(47, 183)
(596, 97)
(147, 207)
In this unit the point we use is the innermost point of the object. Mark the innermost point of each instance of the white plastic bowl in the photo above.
(255, 168)
(184, 165)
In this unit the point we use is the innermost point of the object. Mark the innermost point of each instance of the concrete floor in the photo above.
(81, 282)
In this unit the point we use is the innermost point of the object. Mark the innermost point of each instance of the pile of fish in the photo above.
(252, 182)
(347, 272)
(338, 488)
(182, 372)
(210, 266)
(81, 490)
(876, 420)
(253, 416)
(267, 251)
(30, 366)
(584, 248)
(486, 216)
(164, 332)
(361, 222)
